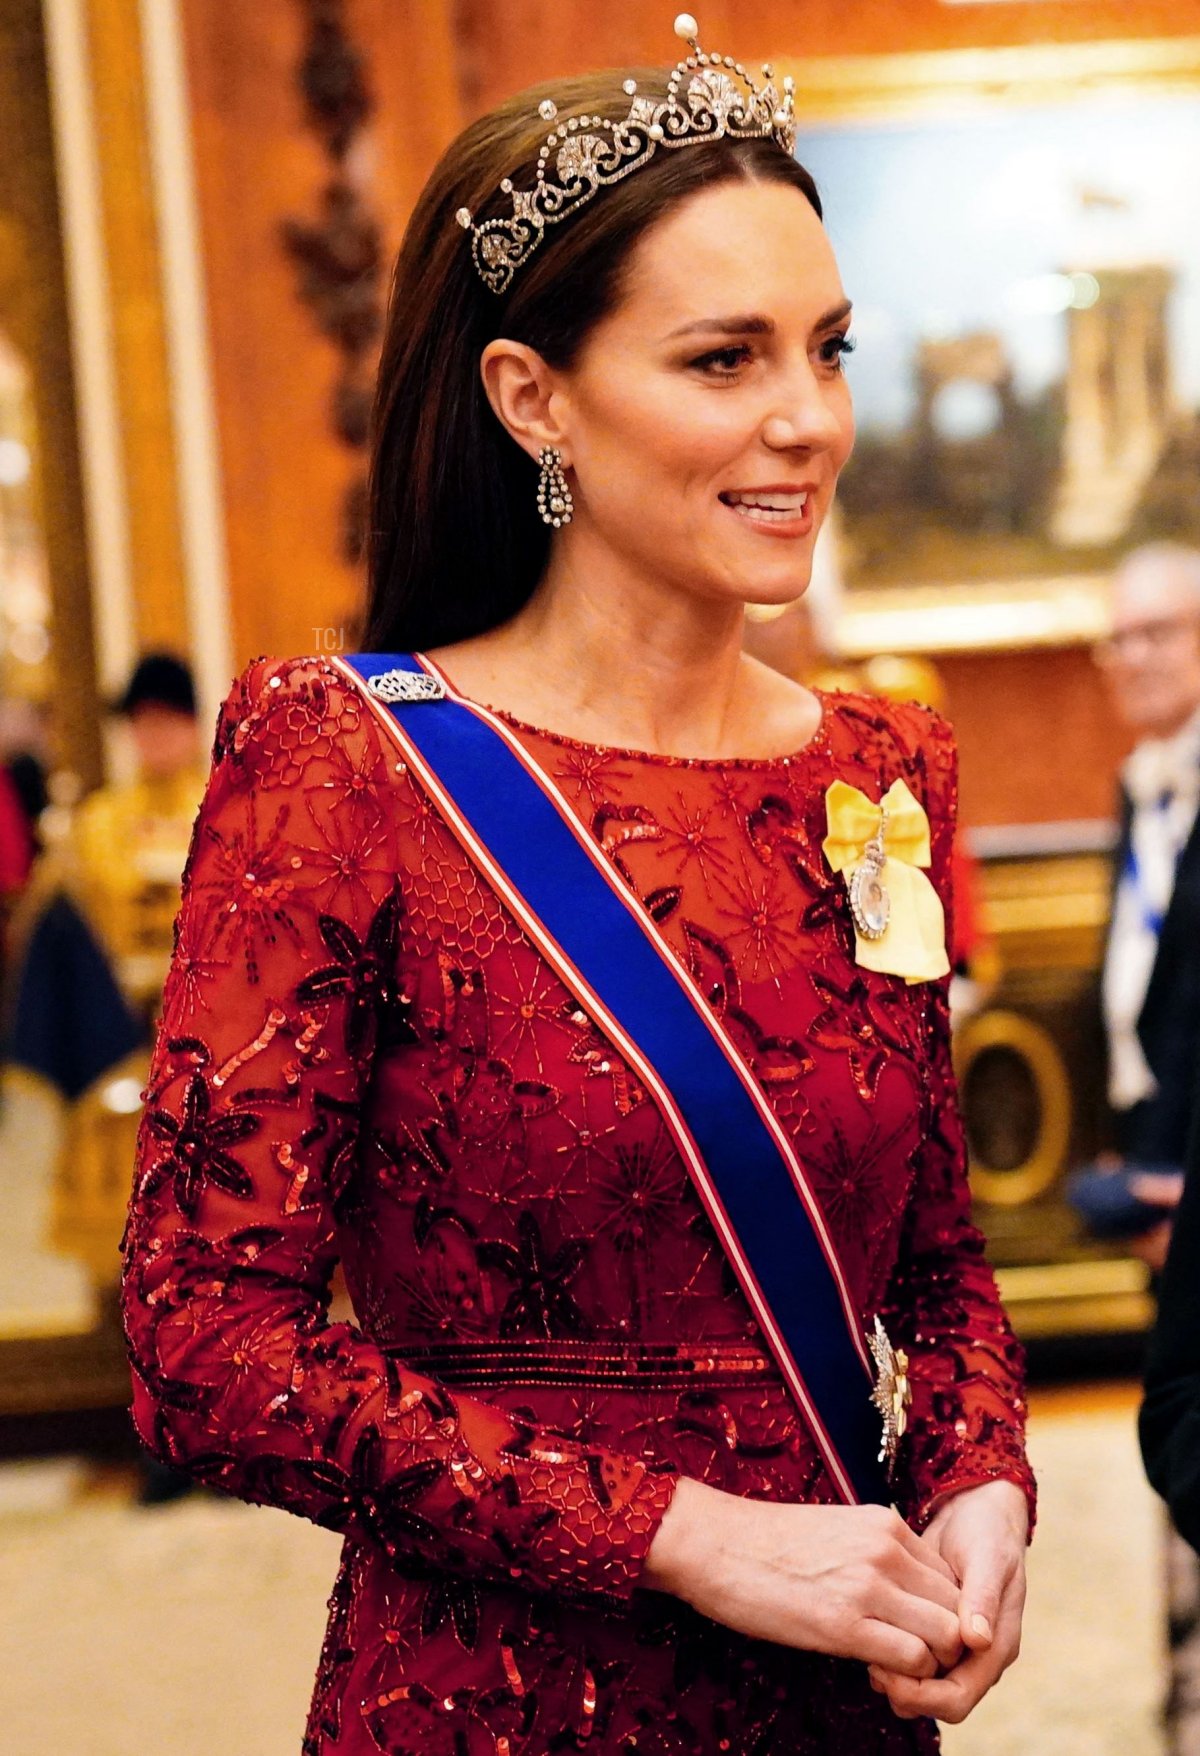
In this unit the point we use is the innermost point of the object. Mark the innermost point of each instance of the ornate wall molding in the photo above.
(339, 253)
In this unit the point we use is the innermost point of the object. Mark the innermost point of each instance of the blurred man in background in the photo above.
(1151, 977)
(1151, 980)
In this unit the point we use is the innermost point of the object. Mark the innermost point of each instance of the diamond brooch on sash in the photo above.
(892, 1393)
(395, 686)
(870, 903)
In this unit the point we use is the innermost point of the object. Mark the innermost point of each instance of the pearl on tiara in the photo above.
(707, 97)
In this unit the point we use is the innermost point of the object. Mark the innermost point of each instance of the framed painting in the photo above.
(1020, 232)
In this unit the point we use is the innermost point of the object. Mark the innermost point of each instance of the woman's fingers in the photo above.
(924, 1552)
(932, 1624)
(950, 1698)
(993, 1583)
(812, 1577)
(978, 1610)
(894, 1651)
(926, 1582)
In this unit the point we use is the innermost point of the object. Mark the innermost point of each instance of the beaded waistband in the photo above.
(592, 1364)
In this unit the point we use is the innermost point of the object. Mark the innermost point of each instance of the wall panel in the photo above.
(34, 313)
(1037, 739)
(285, 472)
(139, 337)
(517, 42)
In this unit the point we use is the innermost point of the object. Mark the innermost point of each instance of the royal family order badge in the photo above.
(870, 903)
(892, 1393)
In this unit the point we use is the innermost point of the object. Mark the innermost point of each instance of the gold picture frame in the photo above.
(1034, 1049)
(843, 99)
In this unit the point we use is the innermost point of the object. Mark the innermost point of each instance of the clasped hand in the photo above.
(935, 1617)
(981, 1534)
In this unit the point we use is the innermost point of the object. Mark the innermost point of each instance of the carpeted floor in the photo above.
(1089, 1680)
(192, 1630)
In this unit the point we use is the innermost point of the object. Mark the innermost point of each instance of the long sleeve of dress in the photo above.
(967, 1420)
(282, 985)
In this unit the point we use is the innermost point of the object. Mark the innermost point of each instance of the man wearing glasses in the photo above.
(1151, 985)
(1151, 980)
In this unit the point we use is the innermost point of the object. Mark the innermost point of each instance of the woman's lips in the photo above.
(776, 512)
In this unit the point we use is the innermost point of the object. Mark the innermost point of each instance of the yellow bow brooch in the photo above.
(899, 923)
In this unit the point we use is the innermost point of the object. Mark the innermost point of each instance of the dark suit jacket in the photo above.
(64, 1016)
(1157, 1130)
(1169, 1423)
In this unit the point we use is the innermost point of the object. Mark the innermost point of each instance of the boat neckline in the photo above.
(813, 745)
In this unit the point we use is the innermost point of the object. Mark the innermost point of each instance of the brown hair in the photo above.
(456, 545)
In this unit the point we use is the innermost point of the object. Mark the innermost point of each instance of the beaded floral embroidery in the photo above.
(360, 1057)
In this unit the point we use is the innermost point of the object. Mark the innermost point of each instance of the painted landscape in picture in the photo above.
(1026, 285)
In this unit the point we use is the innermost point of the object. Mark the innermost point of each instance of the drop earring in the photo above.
(554, 496)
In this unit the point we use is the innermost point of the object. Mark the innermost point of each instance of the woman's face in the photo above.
(708, 416)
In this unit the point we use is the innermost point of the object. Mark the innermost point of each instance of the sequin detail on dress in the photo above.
(361, 1057)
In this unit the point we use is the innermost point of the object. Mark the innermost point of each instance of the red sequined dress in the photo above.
(362, 1059)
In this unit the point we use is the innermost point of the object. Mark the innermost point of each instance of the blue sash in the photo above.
(514, 824)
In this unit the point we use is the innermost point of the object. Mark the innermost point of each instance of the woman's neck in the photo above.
(617, 661)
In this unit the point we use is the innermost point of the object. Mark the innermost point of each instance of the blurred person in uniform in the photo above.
(131, 837)
(1150, 986)
(91, 936)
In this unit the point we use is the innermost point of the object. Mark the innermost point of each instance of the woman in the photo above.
(582, 1439)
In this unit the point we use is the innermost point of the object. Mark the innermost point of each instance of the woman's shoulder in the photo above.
(301, 704)
(889, 740)
(297, 675)
(913, 729)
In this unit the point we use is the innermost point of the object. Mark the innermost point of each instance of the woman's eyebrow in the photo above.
(754, 324)
(838, 314)
(725, 326)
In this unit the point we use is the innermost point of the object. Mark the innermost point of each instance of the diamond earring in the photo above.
(554, 496)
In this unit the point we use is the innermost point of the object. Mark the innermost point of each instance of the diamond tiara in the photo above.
(703, 102)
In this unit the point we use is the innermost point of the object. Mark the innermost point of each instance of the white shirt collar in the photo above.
(1164, 765)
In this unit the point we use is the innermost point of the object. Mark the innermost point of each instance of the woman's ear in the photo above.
(525, 396)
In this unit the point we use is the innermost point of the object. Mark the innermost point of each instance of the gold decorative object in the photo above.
(1033, 1046)
(892, 1394)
